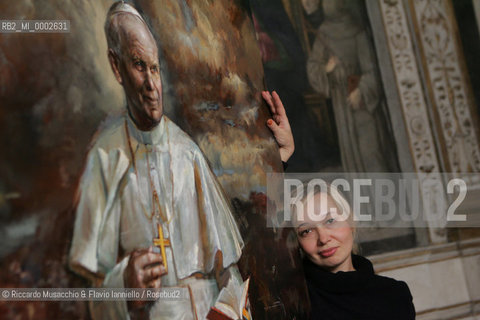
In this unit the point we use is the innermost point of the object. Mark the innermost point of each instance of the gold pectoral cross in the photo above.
(162, 243)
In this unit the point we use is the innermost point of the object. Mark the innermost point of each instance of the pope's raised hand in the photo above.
(144, 269)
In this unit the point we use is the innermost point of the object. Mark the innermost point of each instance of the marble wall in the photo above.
(425, 67)
(444, 279)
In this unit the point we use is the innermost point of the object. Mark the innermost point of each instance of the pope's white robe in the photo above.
(111, 221)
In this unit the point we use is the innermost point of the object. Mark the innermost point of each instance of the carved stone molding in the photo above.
(447, 85)
(414, 109)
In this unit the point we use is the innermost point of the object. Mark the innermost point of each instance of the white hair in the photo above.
(112, 26)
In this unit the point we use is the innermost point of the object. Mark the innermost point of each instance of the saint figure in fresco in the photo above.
(342, 67)
(150, 211)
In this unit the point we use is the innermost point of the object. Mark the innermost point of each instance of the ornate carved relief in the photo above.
(447, 85)
(414, 109)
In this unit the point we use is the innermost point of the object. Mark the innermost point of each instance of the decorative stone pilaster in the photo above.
(447, 84)
(414, 109)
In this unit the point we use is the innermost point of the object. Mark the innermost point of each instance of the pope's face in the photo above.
(140, 74)
(326, 240)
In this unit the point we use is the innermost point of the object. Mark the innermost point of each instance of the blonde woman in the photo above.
(341, 284)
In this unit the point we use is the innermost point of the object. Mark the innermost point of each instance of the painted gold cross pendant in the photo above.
(162, 243)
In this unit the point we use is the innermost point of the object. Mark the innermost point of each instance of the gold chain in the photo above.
(155, 198)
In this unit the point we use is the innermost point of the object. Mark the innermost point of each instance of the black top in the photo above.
(357, 295)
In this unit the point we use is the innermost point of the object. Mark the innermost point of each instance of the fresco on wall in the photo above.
(320, 56)
(57, 89)
(329, 49)
(284, 59)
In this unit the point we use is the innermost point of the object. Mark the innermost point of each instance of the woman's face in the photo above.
(326, 240)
